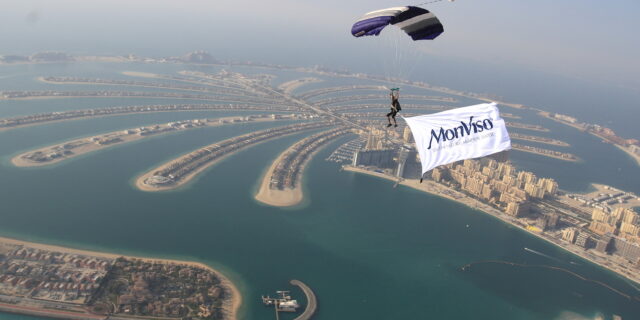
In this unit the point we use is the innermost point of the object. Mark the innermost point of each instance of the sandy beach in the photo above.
(141, 74)
(231, 307)
(278, 198)
(635, 157)
(289, 87)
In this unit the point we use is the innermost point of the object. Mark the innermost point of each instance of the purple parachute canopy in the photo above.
(417, 22)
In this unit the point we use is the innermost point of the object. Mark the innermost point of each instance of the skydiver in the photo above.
(395, 106)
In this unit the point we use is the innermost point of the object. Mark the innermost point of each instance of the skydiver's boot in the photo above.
(389, 125)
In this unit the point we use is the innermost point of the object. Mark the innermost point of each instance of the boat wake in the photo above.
(543, 255)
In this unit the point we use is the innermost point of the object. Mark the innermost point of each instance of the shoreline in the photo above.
(89, 146)
(554, 142)
(546, 115)
(236, 299)
(41, 79)
(441, 191)
(278, 198)
(142, 186)
(575, 159)
(634, 156)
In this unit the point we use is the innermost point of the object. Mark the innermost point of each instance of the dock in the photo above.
(312, 302)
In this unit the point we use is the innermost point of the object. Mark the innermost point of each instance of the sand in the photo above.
(278, 198)
(141, 74)
(231, 308)
(636, 157)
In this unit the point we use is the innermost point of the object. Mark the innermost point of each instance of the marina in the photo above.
(284, 303)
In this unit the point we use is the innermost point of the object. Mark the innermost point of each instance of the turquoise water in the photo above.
(368, 250)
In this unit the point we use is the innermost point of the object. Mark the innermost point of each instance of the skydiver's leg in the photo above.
(394, 118)
(389, 118)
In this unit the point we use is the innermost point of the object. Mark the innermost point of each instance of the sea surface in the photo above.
(368, 250)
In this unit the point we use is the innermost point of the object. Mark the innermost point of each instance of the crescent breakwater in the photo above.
(290, 86)
(201, 87)
(318, 92)
(73, 148)
(377, 97)
(178, 172)
(17, 95)
(343, 108)
(59, 282)
(281, 185)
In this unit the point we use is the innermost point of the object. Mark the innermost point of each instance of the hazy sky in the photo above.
(593, 40)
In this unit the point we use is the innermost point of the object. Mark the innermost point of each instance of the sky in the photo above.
(583, 39)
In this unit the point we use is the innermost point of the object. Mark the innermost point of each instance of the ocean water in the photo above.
(368, 250)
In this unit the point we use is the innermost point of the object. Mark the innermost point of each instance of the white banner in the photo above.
(458, 134)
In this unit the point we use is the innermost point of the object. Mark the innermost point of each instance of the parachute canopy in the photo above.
(417, 22)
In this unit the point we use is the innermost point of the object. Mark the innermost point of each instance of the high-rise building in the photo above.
(487, 192)
(630, 229)
(584, 240)
(619, 214)
(601, 228)
(569, 235)
(375, 158)
(599, 215)
(438, 174)
(408, 167)
(623, 248)
(630, 217)
(550, 186)
(518, 209)
(603, 244)
(527, 177)
(407, 136)
(553, 219)
(534, 191)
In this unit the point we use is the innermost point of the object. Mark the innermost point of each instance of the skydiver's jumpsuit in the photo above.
(395, 107)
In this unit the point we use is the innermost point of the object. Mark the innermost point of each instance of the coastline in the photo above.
(187, 178)
(89, 146)
(231, 307)
(575, 159)
(447, 193)
(546, 114)
(278, 198)
(41, 79)
(634, 156)
(553, 142)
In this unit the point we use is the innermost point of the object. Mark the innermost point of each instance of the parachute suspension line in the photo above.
(433, 1)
